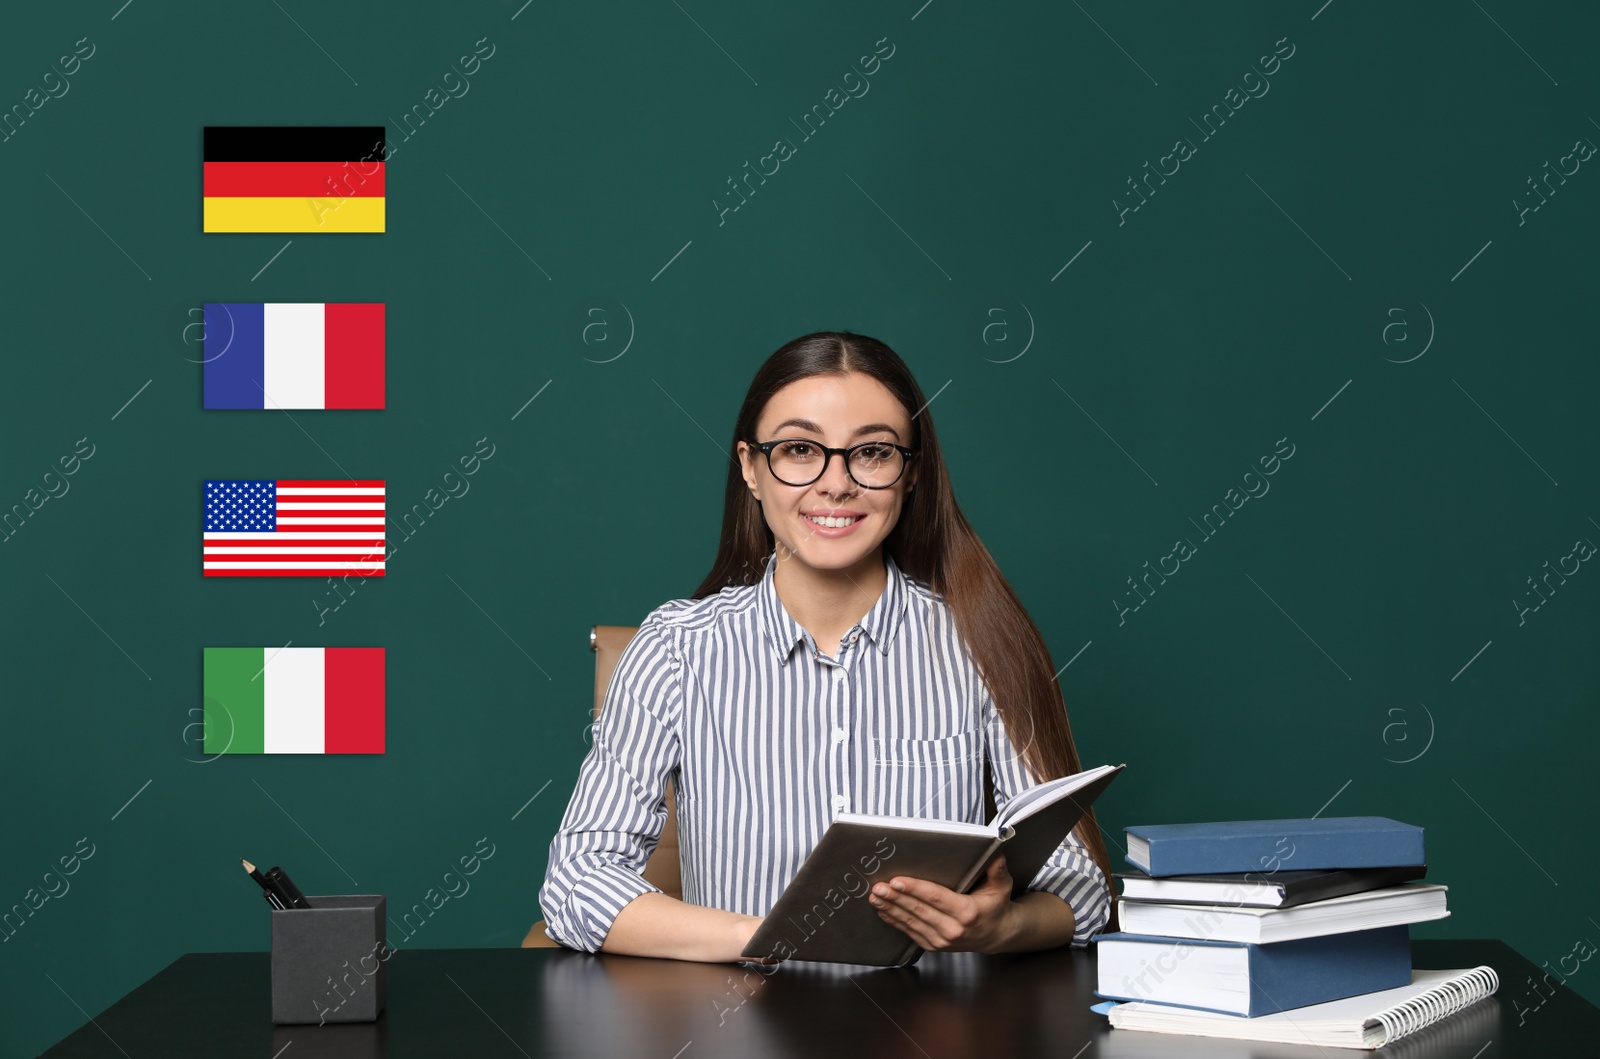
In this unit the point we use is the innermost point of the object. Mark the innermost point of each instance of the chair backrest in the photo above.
(664, 867)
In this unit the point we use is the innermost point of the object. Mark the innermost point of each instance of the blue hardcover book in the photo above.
(1268, 846)
(1240, 979)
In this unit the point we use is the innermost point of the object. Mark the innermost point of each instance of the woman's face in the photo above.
(838, 411)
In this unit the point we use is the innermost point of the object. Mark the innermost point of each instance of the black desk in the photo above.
(555, 1002)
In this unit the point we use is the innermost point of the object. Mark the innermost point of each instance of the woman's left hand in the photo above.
(941, 920)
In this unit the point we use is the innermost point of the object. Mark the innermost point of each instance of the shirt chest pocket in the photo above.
(936, 778)
(926, 753)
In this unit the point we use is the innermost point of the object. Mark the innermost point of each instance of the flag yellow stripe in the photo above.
(353, 214)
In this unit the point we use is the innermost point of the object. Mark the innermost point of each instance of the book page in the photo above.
(919, 823)
(1035, 798)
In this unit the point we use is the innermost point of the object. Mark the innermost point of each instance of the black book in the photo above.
(1281, 889)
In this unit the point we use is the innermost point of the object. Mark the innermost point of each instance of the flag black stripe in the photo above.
(292, 143)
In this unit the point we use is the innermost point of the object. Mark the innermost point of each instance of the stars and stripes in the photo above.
(294, 528)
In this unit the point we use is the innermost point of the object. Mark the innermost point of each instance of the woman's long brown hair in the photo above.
(932, 542)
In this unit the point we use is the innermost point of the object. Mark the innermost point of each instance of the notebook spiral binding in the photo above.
(1444, 999)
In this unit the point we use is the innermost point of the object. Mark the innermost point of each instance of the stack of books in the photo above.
(1226, 925)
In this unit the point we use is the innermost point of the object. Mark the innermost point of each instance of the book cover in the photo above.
(1392, 906)
(1274, 845)
(1270, 978)
(824, 914)
(1283, 889)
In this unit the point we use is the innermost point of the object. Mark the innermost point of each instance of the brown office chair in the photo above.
(663, 868)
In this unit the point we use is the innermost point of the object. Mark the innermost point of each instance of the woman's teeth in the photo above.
(834, 523)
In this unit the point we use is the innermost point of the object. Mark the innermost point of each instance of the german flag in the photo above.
(281, 178)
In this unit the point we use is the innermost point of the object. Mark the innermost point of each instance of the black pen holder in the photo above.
(329, 960)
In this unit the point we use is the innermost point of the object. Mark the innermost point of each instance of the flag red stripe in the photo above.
(282, 540)
(321, 573)
(229, 562)
(310, 535)
(371, 557)
(376, 544)
(353, 359)
(319, 180)
(353, 683)
(304, 535)
(324, 483)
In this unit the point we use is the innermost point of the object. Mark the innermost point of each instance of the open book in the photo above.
(824, 914)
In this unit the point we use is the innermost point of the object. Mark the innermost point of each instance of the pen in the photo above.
(292, 897)
(268, 890)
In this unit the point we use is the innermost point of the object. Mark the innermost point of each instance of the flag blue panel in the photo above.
(241, 506)
(235, 352)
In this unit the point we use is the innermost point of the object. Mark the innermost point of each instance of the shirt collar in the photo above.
(880, 623)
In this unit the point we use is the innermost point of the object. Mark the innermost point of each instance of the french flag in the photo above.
(294, 355)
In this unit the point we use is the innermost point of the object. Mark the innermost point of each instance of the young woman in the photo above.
(854, 648)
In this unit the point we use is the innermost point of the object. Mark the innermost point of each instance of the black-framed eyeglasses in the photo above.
(801, 461)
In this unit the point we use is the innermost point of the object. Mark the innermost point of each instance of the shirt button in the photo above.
(838, 801)
(838, 735)
(838, 676)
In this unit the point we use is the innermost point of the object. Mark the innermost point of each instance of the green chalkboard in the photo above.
(1141, 252)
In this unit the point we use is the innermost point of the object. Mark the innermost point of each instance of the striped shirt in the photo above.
(765, 743)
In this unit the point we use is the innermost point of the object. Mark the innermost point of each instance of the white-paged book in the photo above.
(1391, 906)
(1366, 1021)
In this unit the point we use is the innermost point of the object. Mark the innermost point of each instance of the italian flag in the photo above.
(294, 700)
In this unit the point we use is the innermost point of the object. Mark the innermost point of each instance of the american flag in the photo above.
(293, 528)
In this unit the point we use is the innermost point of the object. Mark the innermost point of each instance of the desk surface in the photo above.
(557, 1002)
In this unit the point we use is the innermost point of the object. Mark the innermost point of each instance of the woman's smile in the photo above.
(833, 523)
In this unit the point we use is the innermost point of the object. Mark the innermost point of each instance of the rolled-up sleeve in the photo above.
(618, 808)
(1070, 872)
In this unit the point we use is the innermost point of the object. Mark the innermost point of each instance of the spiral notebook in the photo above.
(1366, 1021)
